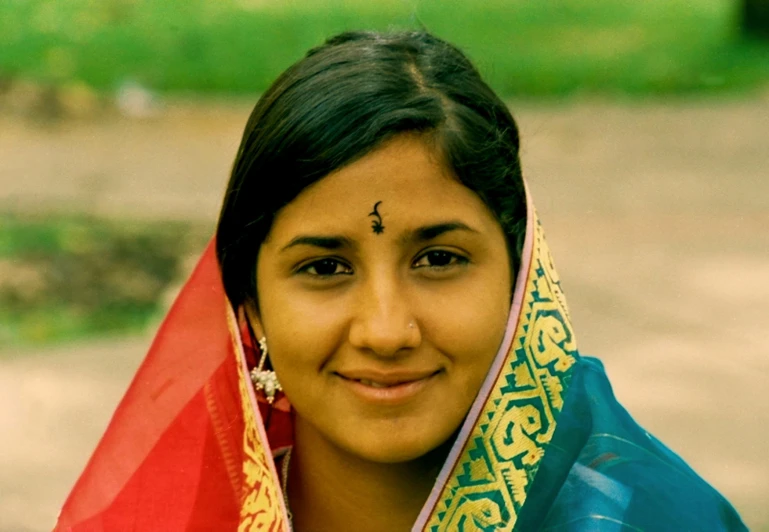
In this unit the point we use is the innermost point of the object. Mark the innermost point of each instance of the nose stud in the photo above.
(411, 325)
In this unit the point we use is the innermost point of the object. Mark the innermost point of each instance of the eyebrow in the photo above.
(325, 242)
(430, 232)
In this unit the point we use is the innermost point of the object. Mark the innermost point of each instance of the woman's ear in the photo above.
(252, 315)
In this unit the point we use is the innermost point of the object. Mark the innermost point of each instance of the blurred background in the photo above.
(645, 130)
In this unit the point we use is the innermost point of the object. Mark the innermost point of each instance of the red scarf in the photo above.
(183, 448)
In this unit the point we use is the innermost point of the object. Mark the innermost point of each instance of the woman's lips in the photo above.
(390, 388)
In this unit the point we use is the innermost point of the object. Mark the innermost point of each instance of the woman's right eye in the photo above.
(325, 268)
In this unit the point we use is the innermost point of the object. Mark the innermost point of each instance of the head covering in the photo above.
(544, 443)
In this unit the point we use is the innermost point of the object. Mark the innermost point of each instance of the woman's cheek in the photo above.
(308, 333)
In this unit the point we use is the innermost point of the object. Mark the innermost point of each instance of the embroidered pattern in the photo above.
(491, 478)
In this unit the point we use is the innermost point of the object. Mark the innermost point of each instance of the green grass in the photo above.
(525, 48)
(65, 277)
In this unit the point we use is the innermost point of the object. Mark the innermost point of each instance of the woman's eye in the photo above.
(439, 259)
(326, 268)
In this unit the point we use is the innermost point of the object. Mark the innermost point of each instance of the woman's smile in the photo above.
(387, 388)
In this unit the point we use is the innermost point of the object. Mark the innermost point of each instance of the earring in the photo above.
(263, 379)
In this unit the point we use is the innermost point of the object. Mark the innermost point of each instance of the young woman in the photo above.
(377, 338)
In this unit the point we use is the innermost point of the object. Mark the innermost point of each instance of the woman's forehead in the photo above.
(401, 186)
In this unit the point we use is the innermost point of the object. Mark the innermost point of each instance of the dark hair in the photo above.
(343, 100)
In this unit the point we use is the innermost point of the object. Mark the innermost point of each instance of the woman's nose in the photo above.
(384, 323)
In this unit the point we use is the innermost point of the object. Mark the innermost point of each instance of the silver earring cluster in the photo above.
(263, 379)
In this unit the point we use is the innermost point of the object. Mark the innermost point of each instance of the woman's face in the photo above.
(384, 290)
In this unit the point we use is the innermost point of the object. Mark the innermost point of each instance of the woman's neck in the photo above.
(330, 489)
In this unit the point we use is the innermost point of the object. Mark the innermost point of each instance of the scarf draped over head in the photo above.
(191, 447)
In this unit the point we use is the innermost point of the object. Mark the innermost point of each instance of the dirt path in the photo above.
(656, 213)
(60, 400)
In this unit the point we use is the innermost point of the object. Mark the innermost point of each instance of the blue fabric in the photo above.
(603, 472)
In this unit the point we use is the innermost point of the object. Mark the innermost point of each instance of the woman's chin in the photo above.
(393, 450)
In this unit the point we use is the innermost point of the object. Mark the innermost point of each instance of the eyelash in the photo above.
(454, 260)
(314, 264)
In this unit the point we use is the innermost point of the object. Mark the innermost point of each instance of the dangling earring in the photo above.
(264, 379)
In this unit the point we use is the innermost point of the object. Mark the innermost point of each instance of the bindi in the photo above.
(376, 223)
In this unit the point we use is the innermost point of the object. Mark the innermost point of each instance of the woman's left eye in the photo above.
(439, 259)
(325, 268)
